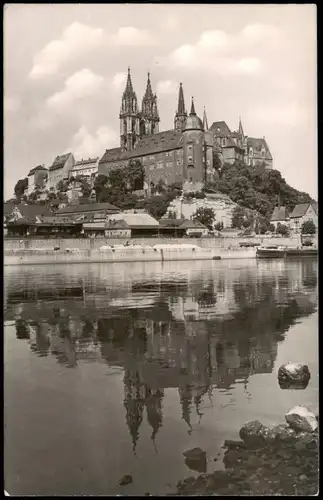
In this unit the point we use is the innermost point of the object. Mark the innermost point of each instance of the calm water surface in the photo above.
(119, 368)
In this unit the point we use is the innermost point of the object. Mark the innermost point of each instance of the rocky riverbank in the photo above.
(282, 460)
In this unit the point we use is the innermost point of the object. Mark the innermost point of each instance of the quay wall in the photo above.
(96, 243)
(48, 256)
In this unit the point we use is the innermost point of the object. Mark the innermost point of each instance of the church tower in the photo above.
(180, 115)
(194, 168)
(149, 122)
(129, 117)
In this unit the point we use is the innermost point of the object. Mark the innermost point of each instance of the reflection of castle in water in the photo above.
(196, 334)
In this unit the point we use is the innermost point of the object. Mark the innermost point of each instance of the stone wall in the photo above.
(89, 244)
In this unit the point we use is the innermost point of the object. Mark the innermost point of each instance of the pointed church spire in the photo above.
(181, 103)
(192, 108)
(205, 124)
(129, 88)
(240, 128)
(180, 115)
(149, 92)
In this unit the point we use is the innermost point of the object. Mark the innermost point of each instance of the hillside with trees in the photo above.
(257, 188)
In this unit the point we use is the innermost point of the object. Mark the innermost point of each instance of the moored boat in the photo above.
(272, 252)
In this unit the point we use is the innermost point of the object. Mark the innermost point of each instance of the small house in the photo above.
(279, 216)
(303, 213)
(60, 169)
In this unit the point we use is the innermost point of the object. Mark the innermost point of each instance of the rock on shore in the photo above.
(279, 460)
(293, 375)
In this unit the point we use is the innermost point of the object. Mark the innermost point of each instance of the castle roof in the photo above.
(193, 122)
(59, 162)
(220, 129)
(156, 143)
(258, 144)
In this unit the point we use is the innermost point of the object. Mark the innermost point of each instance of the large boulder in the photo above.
(195, 459)
(253, 434)
(293, 376)
(301, 418)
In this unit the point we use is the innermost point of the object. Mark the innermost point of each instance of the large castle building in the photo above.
(183, 154)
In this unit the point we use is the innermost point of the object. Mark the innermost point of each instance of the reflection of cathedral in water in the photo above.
(198, 337)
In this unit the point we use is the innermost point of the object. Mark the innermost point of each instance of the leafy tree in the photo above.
(258, 188)
(272, 228)
(21, 187)
(216, 160)
(238, 217)
(282, 229)
(218, 226)
(205, 216)
(85, 188)
(308, 227)
(136, 175)
(171, 214)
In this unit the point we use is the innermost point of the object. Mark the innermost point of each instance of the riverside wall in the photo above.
(95, 243)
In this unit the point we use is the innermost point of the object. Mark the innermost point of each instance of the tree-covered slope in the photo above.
(258, 188)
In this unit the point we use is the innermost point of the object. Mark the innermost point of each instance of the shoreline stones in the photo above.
(301, 418)
(293, 376)
(270, 461)
(195, 459)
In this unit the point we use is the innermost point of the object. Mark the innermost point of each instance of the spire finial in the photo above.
(192, 107)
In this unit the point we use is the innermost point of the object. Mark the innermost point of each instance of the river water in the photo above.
(114, 369)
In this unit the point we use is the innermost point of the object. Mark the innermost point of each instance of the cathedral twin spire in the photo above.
(134, 124)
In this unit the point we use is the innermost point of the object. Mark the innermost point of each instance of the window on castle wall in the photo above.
(190, 159)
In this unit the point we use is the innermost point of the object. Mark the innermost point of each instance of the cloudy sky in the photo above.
(65, 66)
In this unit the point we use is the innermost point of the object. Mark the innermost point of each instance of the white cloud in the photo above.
(223, 53)
(76, 39)
(167, 87)
(82, 84)
(85, 144)
(128, 35)
(11, 104)
(119, 80)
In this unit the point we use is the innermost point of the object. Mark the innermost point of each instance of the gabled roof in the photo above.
(59, 161)
(136, 220)
(35, 169)
(257, 145)
(90, 207)
(170, 223)
(301, 209)
(30, 212)
(220, 129)
(192, 224)
(111, 155)
(116, 224)
(279, 213)
(156, 143)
